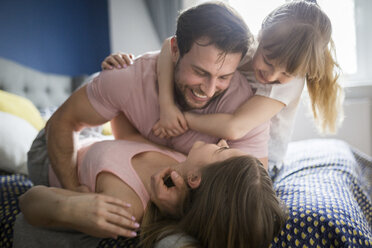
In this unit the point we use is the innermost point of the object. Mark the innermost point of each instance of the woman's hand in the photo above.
(117, 60)
(168, 199)
(172, 122)
(100, 216)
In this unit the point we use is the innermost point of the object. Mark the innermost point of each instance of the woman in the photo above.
(228, 193)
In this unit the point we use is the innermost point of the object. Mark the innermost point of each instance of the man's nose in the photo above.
(209, 87)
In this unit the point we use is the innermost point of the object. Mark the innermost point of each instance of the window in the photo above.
(351, 32)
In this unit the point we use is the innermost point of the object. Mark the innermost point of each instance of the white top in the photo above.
(281, 125)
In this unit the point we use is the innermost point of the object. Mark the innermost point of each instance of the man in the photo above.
(211, 40)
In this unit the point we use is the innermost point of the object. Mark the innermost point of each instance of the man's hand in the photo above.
(168, 200)
(100, 216)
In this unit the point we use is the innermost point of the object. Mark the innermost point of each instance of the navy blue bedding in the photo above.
(326, 185)
(11, 187)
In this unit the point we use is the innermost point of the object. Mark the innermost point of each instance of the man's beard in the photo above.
(180, 99)
(179, 95)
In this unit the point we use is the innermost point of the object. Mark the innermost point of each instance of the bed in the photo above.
(326, 184)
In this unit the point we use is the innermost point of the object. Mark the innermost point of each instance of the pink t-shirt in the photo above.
(114, 156)
(134, 91)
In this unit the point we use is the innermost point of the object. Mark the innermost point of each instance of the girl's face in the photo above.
(203, 154)
(265, 70)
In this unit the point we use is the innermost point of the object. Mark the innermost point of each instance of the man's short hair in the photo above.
(220, 23)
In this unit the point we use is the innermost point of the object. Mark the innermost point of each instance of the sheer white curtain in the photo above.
(164, 15)
(352, 31)
(342, 18)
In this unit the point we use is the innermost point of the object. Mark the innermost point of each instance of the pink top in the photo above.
(134, 91)
(113, 156)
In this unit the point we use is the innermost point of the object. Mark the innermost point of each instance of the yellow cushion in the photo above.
(107, 129)
(21, 107)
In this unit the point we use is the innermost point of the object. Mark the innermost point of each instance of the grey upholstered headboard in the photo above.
(43, 89)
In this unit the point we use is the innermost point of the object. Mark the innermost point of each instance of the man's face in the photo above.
(202, 74)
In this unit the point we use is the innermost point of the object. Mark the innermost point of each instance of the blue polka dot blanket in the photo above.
(325, 184)
(327, 188)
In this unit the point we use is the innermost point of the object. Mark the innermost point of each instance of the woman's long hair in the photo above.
(234, 206)
(297, 35)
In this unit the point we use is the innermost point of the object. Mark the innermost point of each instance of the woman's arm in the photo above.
(249, 115)
(94, 214)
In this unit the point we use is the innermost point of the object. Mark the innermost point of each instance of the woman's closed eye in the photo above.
(222, 149)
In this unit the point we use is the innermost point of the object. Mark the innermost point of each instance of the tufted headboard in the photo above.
(43, 89)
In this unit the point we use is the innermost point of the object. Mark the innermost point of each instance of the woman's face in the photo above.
(203, 154)
(265, 70)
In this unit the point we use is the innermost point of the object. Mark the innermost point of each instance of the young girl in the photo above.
(120, 171)
(294, 45)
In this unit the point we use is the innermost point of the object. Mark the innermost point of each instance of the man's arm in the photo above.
(62, 133)
(123, 129)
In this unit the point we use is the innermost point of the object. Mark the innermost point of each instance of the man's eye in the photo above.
(200, 73)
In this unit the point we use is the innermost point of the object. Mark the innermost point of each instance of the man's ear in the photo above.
(174, 49)
(194, 179)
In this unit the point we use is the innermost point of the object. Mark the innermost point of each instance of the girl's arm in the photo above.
(249, 115)
(172, 121)
(94, 214)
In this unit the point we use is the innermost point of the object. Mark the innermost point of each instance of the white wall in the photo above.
(357, 126)
(131, 28)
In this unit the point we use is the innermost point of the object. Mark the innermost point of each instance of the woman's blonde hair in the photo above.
(297, 35)
(234, 206)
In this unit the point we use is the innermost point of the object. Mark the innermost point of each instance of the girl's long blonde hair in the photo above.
(297, 35)
(235, 206)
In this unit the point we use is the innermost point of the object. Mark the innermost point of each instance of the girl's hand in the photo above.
(172, 123)
(117, 60)
(101, 216)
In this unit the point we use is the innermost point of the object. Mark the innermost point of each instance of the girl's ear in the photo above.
(174, 49)
(194, 179)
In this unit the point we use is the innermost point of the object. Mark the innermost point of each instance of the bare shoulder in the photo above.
(109, 184)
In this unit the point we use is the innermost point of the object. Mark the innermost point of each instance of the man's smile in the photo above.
(199, 94)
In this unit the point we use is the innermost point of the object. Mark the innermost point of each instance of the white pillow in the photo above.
(16, 137)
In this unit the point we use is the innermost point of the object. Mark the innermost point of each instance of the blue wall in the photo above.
(68, 37)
